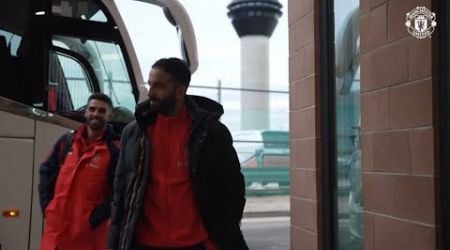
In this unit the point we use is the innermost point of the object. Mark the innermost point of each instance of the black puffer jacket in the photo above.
(214, 169)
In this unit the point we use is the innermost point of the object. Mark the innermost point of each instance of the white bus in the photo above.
(53, 55)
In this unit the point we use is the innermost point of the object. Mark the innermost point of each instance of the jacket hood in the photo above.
(210, 106)
(198, 108)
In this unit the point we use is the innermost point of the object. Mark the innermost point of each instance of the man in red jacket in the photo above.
(178, 183)
(76, 182)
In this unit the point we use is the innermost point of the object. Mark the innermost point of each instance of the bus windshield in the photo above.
(107, 62)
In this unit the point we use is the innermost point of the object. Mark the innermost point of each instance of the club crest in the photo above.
(421, 22)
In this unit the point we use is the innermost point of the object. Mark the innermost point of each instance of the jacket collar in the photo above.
(198, 108)
(108, 134)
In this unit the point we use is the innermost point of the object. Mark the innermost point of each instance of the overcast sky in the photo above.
(217, 41)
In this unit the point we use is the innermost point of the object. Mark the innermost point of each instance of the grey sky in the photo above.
(218, 43)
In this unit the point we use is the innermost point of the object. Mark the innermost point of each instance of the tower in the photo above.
(254, 22)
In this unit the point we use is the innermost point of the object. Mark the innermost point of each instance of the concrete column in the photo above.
(255, 75)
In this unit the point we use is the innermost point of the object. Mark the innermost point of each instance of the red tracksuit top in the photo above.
(170, 216)
(81, 186)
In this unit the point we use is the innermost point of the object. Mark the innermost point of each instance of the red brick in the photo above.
(297, 9)
(304, 183)
(365, 71)
(386, 66)
(292, 97)
(305, 92)
(377, 192)
(294, 152)
(307, 122)
(292, 40)
(297, 65)
(307, 153)
(306, 7)
(304, 214)
(293, 12)
(309, 34)
(304, 240)
(294, 178)
(293, 132)
(366, 152)
(375, 110)
(305, 34)
(364, 6)
(369, 231)
(392, 234)
(419, 58)
(292, 66)
(300, 29)
(376, 3)
(373, 29)
(414, 198)
(411, 105)
(310, 60)
(391, 152)
(422, 151)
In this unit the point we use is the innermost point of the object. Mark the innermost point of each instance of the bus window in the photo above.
(107, 62)
(69, 84)
(12, 42)
(14, 23)
(82, 9)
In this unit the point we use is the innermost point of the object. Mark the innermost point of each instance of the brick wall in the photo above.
(398, 164)
(398, 167)
(304, 123)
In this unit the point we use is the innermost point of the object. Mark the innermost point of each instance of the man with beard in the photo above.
(178, 184)
(75, 187)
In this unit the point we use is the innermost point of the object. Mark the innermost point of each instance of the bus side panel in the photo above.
(15, 126)
(16, 155)
(46, 136)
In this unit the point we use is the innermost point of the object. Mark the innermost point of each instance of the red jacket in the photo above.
(170, 216)
(81, 187)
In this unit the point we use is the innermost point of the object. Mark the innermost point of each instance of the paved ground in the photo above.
(267, 206)
(266, 222)
(266, 233)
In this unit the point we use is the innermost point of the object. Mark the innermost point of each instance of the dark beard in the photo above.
(163, 107)
(97, 125)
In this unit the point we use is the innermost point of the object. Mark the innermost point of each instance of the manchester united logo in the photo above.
(421, 22)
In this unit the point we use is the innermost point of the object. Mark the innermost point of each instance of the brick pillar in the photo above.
(398, 165)
(304, 124)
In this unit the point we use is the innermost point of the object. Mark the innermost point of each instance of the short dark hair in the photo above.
(101, 97)
(177, 69)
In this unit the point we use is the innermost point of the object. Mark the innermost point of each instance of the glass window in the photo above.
(348, 122)
(264, 152)
(106, 59)
(81, 9)
(69, 85)
(9, 42)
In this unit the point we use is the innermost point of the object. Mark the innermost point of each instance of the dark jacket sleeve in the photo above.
(117, 204)
(48, 172)
(103, 212)
(233, 193)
